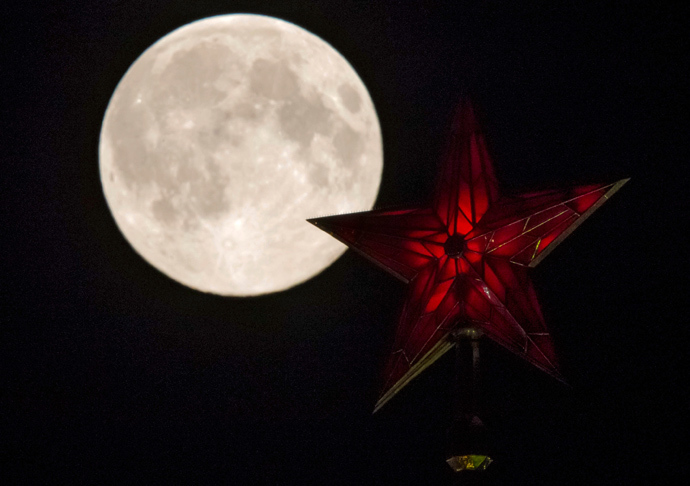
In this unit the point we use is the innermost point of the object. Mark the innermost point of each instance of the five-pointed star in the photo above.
(466, 257)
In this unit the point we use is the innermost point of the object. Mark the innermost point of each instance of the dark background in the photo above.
(114, 374)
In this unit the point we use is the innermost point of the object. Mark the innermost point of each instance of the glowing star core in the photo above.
(466, 257)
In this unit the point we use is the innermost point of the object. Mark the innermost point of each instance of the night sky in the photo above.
(114, 374)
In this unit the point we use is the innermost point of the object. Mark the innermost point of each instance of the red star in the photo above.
(466, 257)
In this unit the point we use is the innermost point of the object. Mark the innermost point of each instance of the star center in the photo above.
(454, 246)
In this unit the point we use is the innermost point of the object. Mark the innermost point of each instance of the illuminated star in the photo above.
(466, 257)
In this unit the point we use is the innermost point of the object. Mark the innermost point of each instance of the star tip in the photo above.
(380, 403)
(317, 221)
(561, 379)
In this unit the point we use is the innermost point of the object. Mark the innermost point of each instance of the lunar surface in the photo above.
(222, 138)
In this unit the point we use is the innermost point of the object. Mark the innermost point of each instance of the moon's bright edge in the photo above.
(222, 138)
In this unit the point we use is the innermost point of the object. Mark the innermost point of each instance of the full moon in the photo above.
(222, 138)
